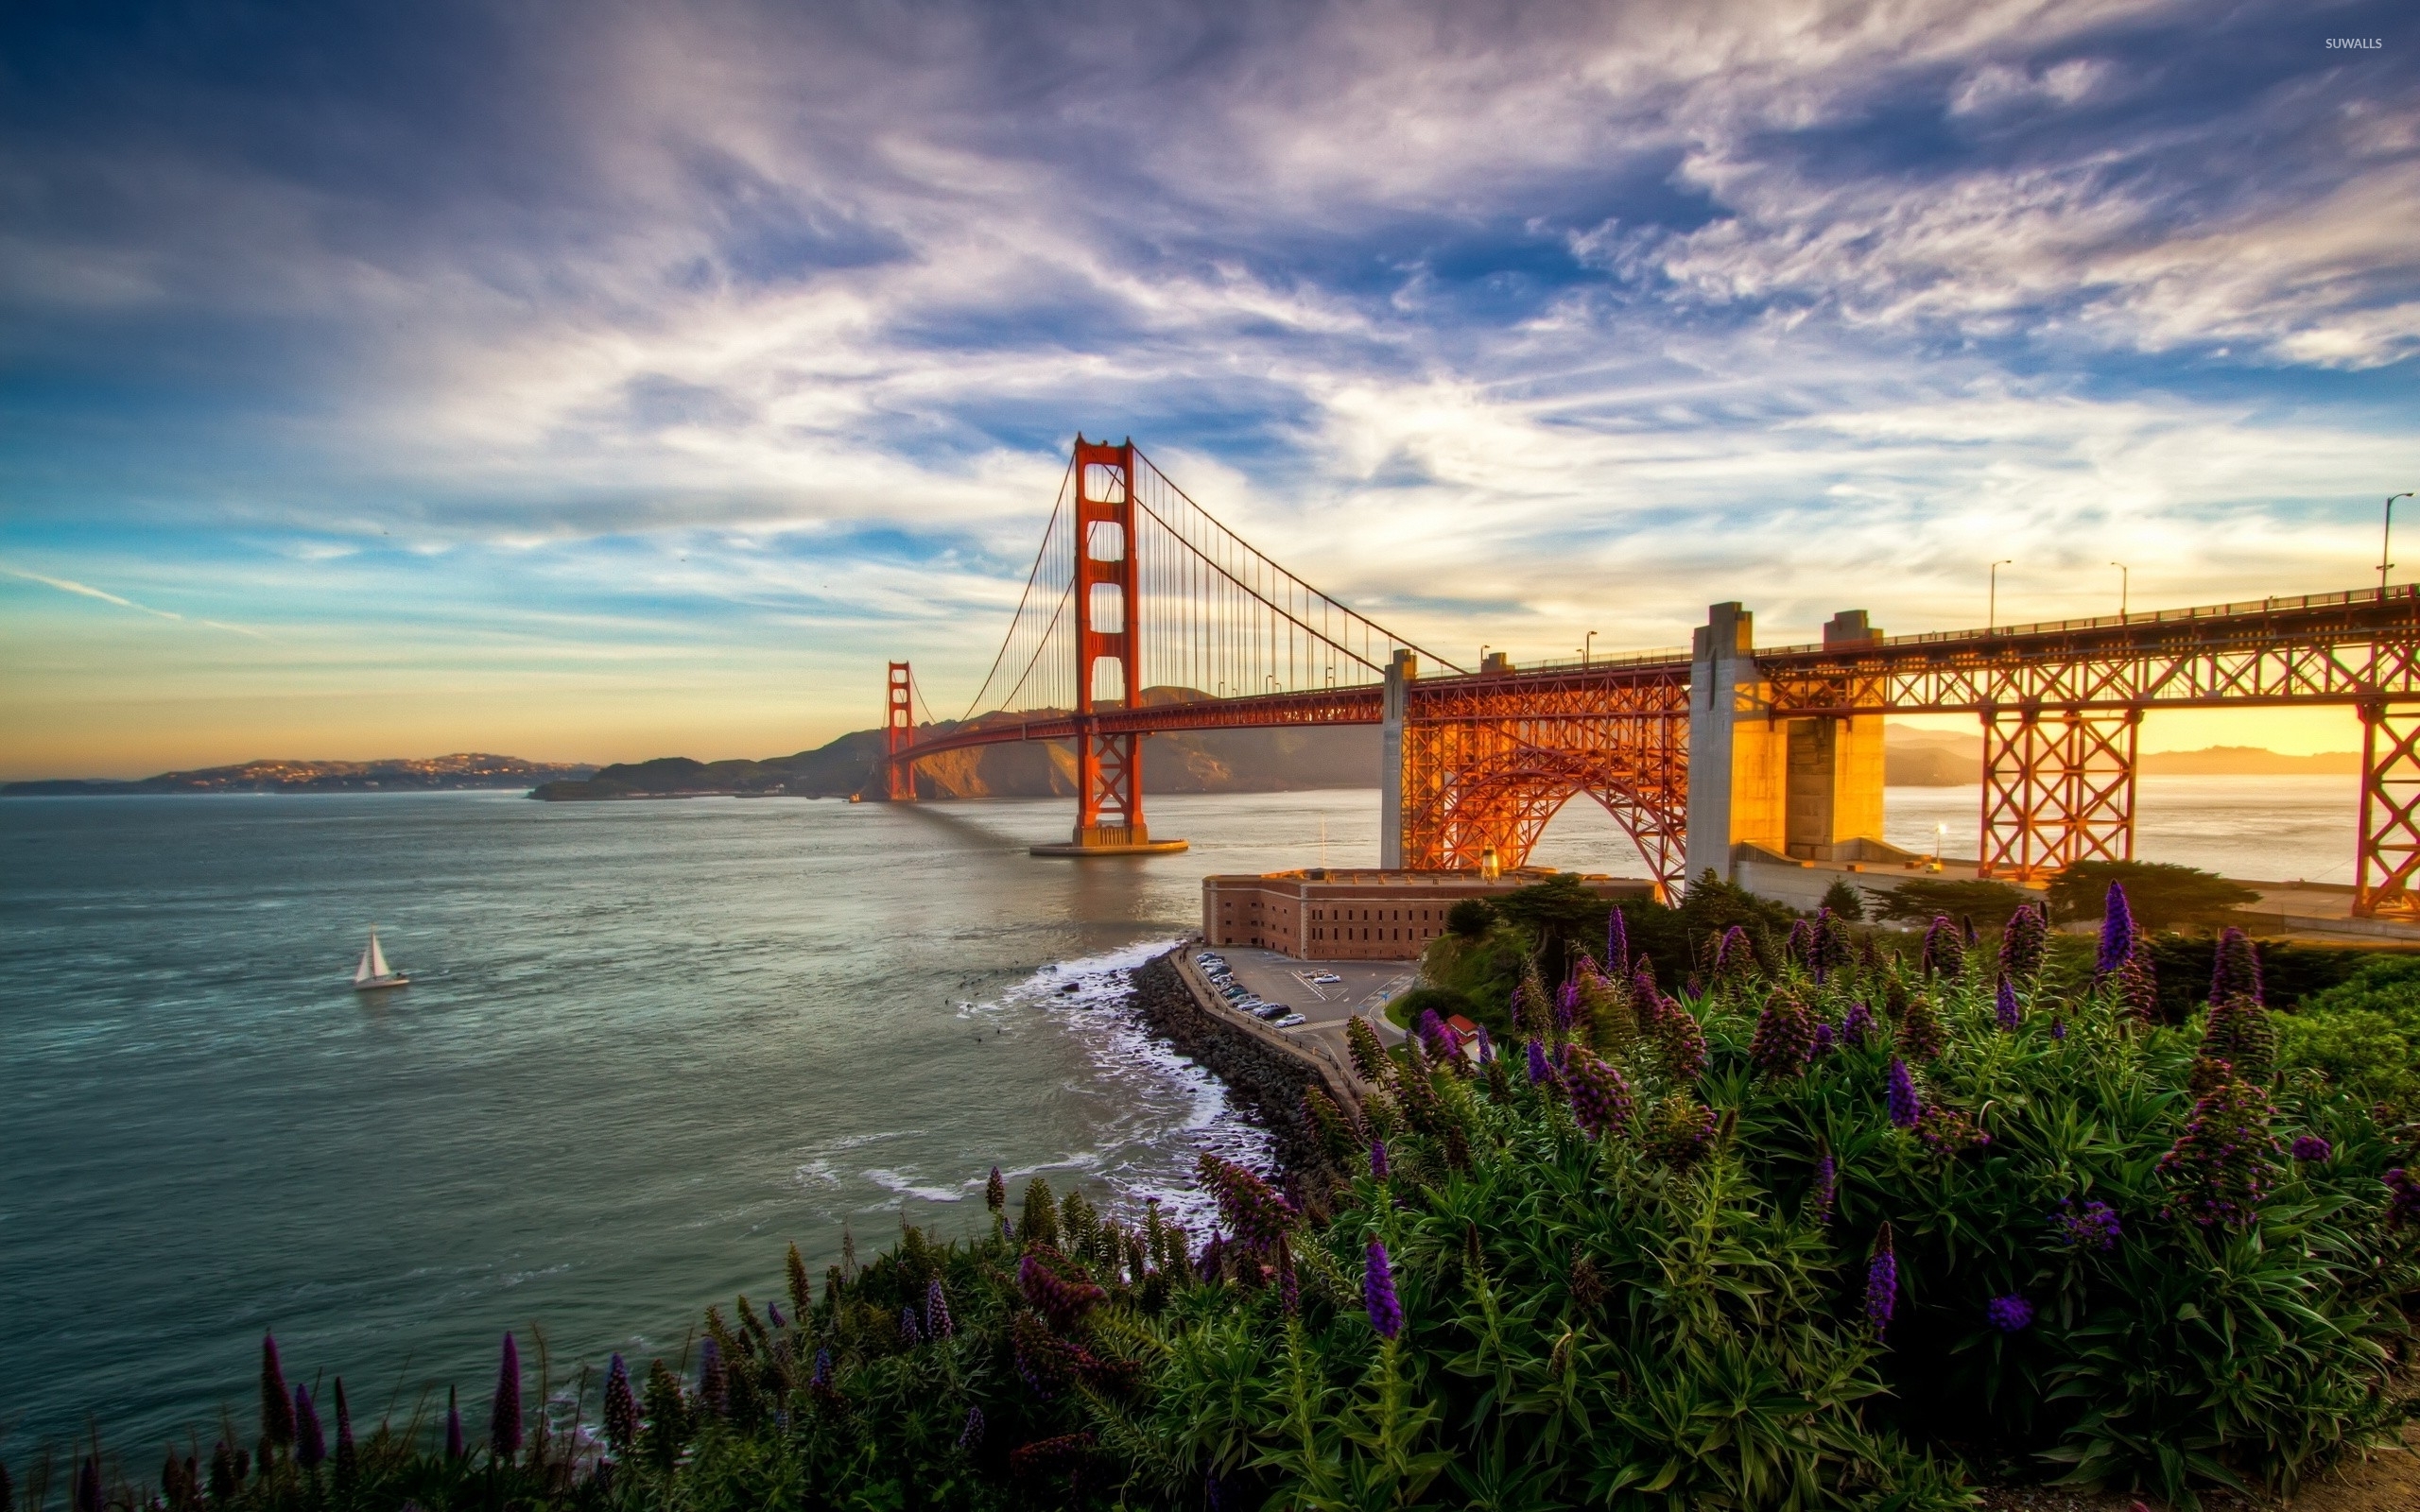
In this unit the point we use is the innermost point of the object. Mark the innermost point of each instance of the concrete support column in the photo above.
(1721, 658)
(1400, 672)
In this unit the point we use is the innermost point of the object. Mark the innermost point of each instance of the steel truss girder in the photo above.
(2056, 790)
(2388, 847)
(2339, 648)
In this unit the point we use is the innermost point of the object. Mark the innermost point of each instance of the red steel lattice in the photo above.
(2056, 791)
(2390, 833)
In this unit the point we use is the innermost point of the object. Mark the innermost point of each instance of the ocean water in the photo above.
(648, 1045)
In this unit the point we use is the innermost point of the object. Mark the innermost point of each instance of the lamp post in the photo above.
(2386, 536)
(1587, 646)
(1991, 613)
(2125, 584)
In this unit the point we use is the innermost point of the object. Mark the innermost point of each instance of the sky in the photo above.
(598, 382)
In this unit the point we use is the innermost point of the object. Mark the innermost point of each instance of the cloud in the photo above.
(67, 585)
(720, 324)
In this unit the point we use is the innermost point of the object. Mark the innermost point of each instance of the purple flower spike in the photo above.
(2010, 1314)
(712, 1394)
(2235, 967)
(1539, 1071)
(2116, 931)
(1486, 1046)
(821, 1374)
(621, 1407)
(1616, 943)
(1824, 1037)
(910, 1333)
(1857, 1025)
(2311, 1148)
(454, 1447)
(1431, 1029)
(2059, 1027)
(504, 1425)
(1827, 1186)
(1378, 1293)
(1379, 1160)
(1906, 1107)
(1881, 1282)
(2004, 1005)
(937, 1319)
(2403, 1198)
(310, 1440)
(972, 1435)
(277, 1403)
(1566, 1004)
(773, 1313)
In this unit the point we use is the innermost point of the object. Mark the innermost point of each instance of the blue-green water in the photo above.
(646, 1046)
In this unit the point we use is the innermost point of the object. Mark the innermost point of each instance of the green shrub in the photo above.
(1471, 918)
(1845, 899)
(1918, 898)
(2363, 1034)
(2162, 896)
(1405, 1011)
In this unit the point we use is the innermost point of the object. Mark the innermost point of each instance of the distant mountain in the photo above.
(464, 769)
(2250, 760)
(1211, 760)
(1912, 757)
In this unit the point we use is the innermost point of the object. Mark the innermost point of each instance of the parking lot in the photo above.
(1361, 986)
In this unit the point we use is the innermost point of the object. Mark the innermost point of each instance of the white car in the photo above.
(1291, 1020)
(1326, 978)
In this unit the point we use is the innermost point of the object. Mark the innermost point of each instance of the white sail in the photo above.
(361, 974)
(377, 958)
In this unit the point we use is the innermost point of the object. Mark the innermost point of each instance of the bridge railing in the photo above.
(2098, 622)
(1616, 659)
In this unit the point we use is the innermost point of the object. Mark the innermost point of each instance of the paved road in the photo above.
(1363, 987)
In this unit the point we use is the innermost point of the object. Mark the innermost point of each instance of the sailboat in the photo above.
(374, 971)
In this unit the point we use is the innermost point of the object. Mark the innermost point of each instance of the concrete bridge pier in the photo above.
(1807, 788)
(1400, 672)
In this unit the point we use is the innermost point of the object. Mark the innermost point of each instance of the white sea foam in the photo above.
(1179, 1109)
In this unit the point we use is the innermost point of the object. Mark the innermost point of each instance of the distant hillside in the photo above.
(465, 770)
(1949, 758)
(1211, 760)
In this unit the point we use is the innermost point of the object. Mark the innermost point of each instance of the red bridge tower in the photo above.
(1109, 662)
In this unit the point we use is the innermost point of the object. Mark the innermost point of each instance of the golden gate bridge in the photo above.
(1144, 614)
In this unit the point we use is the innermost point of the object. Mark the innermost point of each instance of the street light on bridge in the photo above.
(1992, 610)
(2386, 538)
(2125, 585)
(1585, 647)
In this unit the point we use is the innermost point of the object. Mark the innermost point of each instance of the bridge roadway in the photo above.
(2265, 652)
(1484, 759)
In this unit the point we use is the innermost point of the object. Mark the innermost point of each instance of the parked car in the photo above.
(1324, 978)
(1291, 1020)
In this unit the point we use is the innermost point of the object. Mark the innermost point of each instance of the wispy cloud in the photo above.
(67, 585)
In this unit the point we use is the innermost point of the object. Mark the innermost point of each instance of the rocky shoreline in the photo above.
(1268, 1082)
